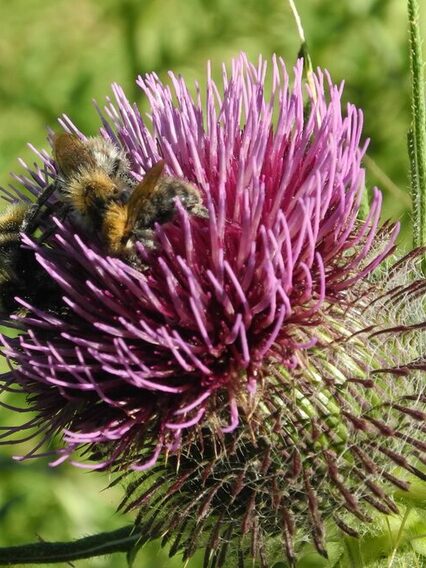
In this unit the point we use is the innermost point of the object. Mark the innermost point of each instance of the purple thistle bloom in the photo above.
(259, 359)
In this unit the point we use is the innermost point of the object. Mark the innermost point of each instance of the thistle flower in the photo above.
(263, 371)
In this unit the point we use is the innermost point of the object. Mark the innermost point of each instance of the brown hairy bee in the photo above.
(20, 273)
(88, 171)
(92, 175)
(96, 188)
(96, 192)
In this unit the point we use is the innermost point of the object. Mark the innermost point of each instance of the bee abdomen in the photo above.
(12, 218)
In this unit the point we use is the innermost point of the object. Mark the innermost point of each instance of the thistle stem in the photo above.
(121, 540)
(417, 136)
(399, 536)
(303, 51)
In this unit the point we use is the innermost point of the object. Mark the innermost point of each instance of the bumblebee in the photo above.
(92, 175)
(20, 273)
(96, 188)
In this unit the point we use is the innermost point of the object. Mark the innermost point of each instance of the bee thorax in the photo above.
(109, 157)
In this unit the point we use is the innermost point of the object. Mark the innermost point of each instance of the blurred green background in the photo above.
(57, 55)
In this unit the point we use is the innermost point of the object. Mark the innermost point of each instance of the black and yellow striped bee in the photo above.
(94, 191)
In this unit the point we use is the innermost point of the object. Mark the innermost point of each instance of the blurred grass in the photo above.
(56, 56)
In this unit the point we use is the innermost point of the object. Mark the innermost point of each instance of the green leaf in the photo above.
(132, 554)
(122, 540)
(419, 545)
(415, 497)
(309, 557)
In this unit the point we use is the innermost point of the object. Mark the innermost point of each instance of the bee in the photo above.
(83, 166)
(96, 188)
(93, 174)
(95, 191)
(20, 273)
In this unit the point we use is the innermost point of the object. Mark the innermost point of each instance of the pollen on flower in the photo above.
(260, 356)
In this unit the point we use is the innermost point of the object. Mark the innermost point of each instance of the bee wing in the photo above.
(142, 193)
(71, 153)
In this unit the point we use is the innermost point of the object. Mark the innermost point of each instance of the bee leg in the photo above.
(29, 224)
(61, 215)
(145, 236)
(200, 211)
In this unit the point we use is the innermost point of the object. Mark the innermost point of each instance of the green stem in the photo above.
(417, 137)
(399, 536)
(303, 51)
(121, 540)
(364, 206)
(308, 69)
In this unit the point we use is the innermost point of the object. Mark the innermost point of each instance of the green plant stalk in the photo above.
(417, 139)
(364, 205)
(309, 70)
(121, 540)
(399, 536)
(303, 51)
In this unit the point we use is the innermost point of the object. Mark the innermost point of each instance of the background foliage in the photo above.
(56, 56)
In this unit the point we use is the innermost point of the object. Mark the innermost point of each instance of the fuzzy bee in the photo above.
(95, 167)
(20, 273)
(96, 188)
(92, 175)
(97, 162)
(95, 191)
